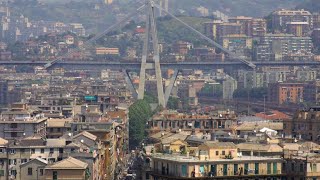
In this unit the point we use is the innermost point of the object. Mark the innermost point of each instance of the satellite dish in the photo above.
(69, 134)
(81, 141)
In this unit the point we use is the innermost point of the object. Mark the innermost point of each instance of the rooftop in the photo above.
(69, 163)
(192, 159)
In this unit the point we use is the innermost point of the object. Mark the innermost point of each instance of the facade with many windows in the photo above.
(214, 160)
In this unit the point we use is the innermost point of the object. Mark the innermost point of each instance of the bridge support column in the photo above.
(129, 83)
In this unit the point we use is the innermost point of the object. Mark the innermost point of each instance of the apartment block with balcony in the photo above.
(214, 160)
(22, 121)
(171, 120)
(289, 93)
(304, 125)
(281, 18)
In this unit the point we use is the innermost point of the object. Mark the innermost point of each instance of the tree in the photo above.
(139, 113)
(173, 103)
(214, 90)
(253, 93)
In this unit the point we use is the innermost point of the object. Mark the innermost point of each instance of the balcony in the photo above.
(229, 175)
(14, 130)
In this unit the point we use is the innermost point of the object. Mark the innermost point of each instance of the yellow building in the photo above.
(104, 51)
(69, 168)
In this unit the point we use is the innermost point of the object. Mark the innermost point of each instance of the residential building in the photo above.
(274, 76)
(281, 18)
(227, 29)
(306, 75)
(3, 92)
(69, 168)
(173, 121)
(22, 121)
(285, 44)
(33, 169)
(210, 29)
(302, 165)
(56, 128)
(304, 125)
(253, 79)
(298, 28)
(106, 51)
(246, 24)
(238, 44)
(262, 52)
(281, 93)
(214, 159)
(259, 27)
(182, 48)
(316, 20)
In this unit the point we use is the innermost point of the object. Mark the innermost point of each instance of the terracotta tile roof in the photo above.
(3, 142)
(69, 163)
(86, 134)
(259, 147)
(250, 126)
(57, 122)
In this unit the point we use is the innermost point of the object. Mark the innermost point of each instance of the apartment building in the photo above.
(22, 121)
(281, 93)
(170, 121)
(214, 159)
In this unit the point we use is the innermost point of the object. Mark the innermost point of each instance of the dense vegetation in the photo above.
(253, 93)
(173, 103)
(169, 30)
(213, 90)
(139, 113)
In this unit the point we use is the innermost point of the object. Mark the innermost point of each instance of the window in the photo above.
(12, 151)
(51, 150)
(269, 168)
(256, 168)
(301, 167)
(275, 168)
(33, 151)
(41, 172)
(217, 153)
(246, 168)
(1, 150)
(13, 172)
(30, 171)
(14, 125)
(42, 151)
(54, 175)
(14, 134)
(22, 150)
(24, 160)
(223, 152)
(314, 167)
(225, 169)
(235, 169)
(59, 129)
(1, 172)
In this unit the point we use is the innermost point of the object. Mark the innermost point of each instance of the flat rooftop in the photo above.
(192, 159)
